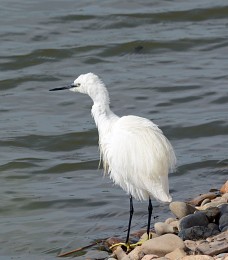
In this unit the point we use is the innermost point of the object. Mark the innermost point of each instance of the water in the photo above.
(164, 60)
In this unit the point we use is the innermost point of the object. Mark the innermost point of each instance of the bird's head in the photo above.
(89, 84)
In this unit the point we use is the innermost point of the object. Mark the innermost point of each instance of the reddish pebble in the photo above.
(224, 188)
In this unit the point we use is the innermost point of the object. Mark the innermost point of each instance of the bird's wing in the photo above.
(138, 153)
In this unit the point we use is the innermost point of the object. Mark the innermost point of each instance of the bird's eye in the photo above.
(78, 84)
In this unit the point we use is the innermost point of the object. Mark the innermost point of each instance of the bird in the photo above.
(134, 151)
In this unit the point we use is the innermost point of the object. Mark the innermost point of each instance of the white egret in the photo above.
(135, 153)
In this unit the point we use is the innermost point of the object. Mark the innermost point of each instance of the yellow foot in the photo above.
(126, 246)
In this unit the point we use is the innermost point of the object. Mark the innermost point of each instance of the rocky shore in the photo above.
(197, 230)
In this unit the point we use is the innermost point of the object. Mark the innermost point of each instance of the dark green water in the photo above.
(164, 60)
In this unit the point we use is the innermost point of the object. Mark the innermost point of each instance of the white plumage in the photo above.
(135, 153)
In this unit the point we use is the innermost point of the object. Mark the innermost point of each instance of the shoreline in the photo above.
(196, 230)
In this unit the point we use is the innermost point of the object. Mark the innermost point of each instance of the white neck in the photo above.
(101, 112)
(103, 116)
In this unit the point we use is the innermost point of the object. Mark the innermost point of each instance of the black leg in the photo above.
(150, 209)
(130, 218)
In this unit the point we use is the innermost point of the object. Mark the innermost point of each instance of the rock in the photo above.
(197, 219)
(162, 245)
(197, 257)
(163, 228)
(175, 224)
(213, 226)
(111, 241)
(176, 254)
(212, 204)
(120, 254)
(138, 233)
(136, 254)
(197, 232)
(212, 214)
(205, 202)
(190, 245)
(219, 198)
(181, 209)
(198, 200)
(170, 220)
(150, 257)
(218, 244)
(223, 208)
(224, 188)
(144, 237)
(222, 256)
(223, 222)
(225, 196)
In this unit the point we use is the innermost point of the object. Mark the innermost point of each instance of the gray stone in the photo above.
(223, 222)
(197, 219)
(223, 208)
(197, 232)
(181, 209)
(213, 226)
(212, 214)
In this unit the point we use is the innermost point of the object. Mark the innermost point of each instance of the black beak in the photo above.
(62, 88)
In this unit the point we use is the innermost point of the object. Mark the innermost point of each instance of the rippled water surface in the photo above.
(164, 60)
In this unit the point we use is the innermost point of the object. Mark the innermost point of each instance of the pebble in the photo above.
(149, 257)
(136, 254)
(223, 256)
(190, 245)
(163, 228)
(225, 196)
(212, 214)
(138, 233)
(162, 245)
(144, 236)
(175, 224)
(198, 200)
(197, 232)
(120, 254)
(213, 226)
(170, 220)
(197, 219)
(217, 244)
(223, 208)
(111, 241)
(223, 222)
(181, 209)
(176, 254)
(224, 188)
(212, 204)
(205, 202)
(197, 257)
